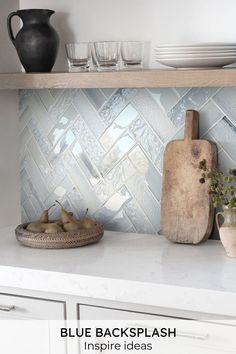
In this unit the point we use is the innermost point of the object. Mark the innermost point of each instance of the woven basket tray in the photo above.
(60, 240)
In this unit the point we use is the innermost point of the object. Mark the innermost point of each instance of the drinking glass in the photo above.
(132, 54)
(107, 54)
(94, 60)
(78, 55)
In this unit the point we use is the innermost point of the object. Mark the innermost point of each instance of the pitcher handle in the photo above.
(9, 26)
(217, 219)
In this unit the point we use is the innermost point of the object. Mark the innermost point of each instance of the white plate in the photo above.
(193, 63)
(184, 55)
(167, 52)
(197, 45)
(173, 49)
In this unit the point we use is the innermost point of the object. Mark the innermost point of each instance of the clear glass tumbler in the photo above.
(107, 54)
(132, 54)
(94, 60)
(78, 55)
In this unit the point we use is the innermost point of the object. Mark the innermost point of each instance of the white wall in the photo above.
(9, 169)
(155, 20)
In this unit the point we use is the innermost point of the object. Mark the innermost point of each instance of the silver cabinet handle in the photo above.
(7, 308)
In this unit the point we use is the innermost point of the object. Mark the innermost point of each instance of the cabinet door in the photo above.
(30, 325)
(193, 337)
(19, 307)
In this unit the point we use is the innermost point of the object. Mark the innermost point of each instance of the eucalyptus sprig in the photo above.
(222, 187)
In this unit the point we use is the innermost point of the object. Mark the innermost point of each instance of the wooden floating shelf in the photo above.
(143, 78)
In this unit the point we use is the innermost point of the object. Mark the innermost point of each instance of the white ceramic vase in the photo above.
(227, 230)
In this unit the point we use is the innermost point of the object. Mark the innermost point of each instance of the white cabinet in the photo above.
(20, 307)
(195, 337)
(35, 333)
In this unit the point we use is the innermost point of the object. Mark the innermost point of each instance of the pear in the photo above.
(38, 226)
(69, 223)
(72, 226)
(65, 215)
(59, 221)
(86, 222)
(35, 227)
(44, 216)
(52, 228)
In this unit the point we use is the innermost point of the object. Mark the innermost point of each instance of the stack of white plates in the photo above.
(195, 56)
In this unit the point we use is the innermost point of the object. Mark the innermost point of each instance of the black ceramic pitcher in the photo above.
(37, 41)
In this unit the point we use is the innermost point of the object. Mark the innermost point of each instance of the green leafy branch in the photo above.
(222, 187)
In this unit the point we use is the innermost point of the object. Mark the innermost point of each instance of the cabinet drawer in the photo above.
(204, 337)
(19, 307)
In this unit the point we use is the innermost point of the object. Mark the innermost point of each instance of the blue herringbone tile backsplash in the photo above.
(103, 149)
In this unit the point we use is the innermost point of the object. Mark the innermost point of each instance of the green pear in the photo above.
(38, 226)
(44, 218)
(86, 222)
(69, 223)
(52, 228)
(35, 227)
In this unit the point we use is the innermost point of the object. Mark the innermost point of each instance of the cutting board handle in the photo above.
(191, 125)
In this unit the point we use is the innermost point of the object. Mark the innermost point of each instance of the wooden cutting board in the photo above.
(186, 208)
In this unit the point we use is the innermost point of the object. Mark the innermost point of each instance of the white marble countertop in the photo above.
(139, 269)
